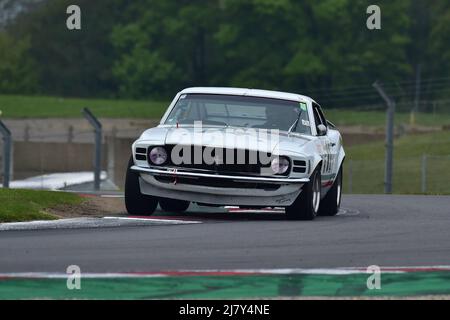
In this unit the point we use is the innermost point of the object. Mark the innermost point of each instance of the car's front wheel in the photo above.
(171, 205)
(136, 202)
(307, 204)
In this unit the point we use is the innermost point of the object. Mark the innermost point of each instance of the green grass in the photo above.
(26, 205)
(378, 118)
(15, 106)
(366, 165)
(53, 107)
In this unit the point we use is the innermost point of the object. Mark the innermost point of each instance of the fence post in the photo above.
(26, 136)
(98, 146)
(70, 134)
(390, 112)
(424, 173)
(7, 147)
(111, 152)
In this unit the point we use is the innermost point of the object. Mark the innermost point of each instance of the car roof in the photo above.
(248, 92)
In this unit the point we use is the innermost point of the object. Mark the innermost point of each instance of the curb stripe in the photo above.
(237, 272)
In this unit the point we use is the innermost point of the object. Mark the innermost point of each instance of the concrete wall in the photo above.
(37, 158)
(118, 154)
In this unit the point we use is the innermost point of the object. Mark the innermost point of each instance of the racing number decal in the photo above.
(327, 157)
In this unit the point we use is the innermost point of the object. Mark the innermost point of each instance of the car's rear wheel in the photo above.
(331, 203)
(171, 205)
(136, 202)
(307, 204)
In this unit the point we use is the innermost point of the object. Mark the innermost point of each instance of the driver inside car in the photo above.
(275, 119)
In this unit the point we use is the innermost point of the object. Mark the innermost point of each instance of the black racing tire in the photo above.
(172, 205)
(330, 204)
(306, 206)
(136, 202)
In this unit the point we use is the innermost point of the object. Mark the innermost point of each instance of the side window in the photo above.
(318, 116)
(317, 119)
(322, 116)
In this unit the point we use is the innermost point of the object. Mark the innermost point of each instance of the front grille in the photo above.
(228, 161)
(218, 183)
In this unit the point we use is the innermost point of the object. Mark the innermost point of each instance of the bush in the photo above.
(17, 69)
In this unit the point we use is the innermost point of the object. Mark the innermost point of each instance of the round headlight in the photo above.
(279, 165)
(158, 155)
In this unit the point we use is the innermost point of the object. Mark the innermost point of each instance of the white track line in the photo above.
(316, 271)
(83, 223)
(112, 196)
(169, 221)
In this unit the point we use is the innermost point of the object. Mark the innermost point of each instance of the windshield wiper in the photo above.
(294, 125)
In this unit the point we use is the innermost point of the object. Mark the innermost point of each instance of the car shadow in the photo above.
(220, 214)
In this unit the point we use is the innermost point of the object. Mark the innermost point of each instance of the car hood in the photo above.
(228, 137)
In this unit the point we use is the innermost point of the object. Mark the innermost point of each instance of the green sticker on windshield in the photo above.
(303, 106)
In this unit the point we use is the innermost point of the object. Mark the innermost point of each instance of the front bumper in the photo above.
(285, 193)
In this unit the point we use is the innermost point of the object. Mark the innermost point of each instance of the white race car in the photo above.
(238, 147)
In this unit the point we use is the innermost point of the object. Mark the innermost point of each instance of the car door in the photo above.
(325, 146)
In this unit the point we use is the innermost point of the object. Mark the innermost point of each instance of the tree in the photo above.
(17, 69)
(438, 50)
(72, 62)
(168, 45)
(152, 48)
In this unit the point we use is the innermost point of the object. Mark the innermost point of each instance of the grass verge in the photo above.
(364, 166)
(13, 106)
(17, 106)
(26, 205)
(378, 118)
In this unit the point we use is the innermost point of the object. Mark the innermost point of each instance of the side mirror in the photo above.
(321, 130)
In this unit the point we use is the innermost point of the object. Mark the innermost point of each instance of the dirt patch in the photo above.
(352, 139)
(91, 207)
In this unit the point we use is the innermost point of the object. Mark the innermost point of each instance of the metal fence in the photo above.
(428, 174)
(49, 160)
(47, 153)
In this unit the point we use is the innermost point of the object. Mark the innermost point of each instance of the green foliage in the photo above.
(143, 71)
(17, 72)
(439, 40)
(152, 48)
(72, 63)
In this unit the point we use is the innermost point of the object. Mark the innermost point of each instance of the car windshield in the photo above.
(240, 111)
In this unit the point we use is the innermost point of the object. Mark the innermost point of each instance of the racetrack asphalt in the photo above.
(373, 230)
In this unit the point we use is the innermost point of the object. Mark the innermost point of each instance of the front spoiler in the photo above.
(189, 174)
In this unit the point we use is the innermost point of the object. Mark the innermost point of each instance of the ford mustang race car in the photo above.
(238, 147)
